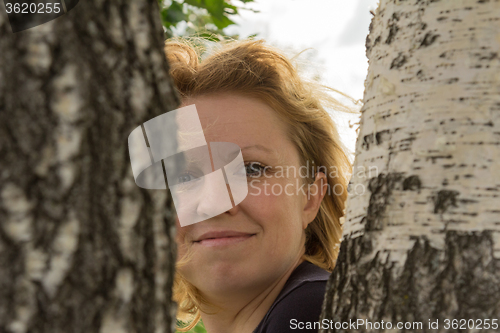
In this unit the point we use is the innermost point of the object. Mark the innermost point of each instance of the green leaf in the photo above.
(216, 8)
(224, 22)
(173, 14)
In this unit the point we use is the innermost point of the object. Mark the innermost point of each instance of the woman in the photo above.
(262, 265)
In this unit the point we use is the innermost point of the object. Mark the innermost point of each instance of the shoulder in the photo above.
(299, 305)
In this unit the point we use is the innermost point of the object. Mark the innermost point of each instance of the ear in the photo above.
(314, 195)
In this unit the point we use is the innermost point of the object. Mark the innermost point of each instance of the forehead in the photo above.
(246, 121)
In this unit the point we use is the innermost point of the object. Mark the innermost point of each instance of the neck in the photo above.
(243, 312)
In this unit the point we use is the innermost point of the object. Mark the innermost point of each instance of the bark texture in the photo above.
(82, 248)
(422, 225)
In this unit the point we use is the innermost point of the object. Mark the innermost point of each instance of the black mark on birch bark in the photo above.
(381, 188)
(382, 136)
(434, 158)
(393, 30)
(444, 199)
(490, 56)
(399, 61)
(429, 39)
(377, 138)
(412, 183)
(367, 141)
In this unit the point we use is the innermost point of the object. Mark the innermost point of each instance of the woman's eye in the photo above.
(184, 178)
(255, 169)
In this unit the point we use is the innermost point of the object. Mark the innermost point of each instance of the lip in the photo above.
(218, 238)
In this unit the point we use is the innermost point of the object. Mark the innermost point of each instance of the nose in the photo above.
(214, 196)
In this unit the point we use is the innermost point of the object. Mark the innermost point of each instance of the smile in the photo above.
(223, 241)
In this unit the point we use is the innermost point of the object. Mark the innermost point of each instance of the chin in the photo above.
(224, 277)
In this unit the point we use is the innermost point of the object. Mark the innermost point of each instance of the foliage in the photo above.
(199, 328)
(204, 18)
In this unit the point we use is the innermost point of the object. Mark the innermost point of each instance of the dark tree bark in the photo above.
(422, 226)
(82, 248)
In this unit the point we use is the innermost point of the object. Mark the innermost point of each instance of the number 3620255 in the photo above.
(33, 8)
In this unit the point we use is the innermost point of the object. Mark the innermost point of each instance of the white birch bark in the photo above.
(422, 224)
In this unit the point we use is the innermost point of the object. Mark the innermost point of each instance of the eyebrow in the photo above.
(261, 147)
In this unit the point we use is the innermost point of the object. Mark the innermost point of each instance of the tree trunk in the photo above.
(82, 248)
(422, 226)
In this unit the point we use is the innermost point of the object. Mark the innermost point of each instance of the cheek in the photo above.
(271, 207)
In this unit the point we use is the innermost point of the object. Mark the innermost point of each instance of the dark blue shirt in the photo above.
(299, 301)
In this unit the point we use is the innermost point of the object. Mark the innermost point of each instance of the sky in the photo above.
(335, 30)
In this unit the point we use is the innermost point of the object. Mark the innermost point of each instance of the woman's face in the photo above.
(272, 218)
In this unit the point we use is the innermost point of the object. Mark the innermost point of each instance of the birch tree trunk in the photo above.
(82, 248)
(422, 225)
